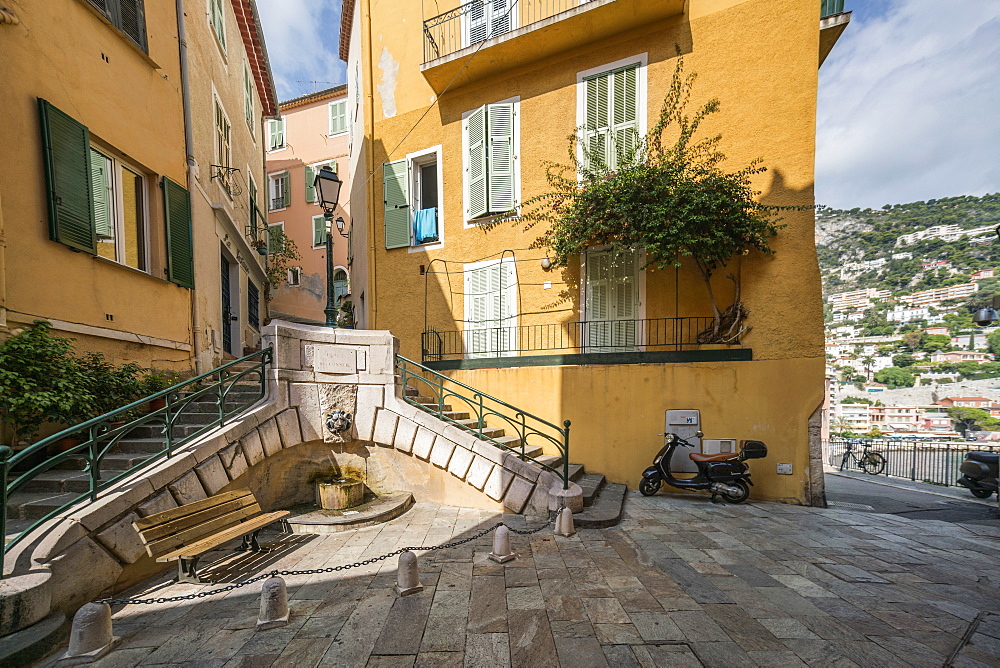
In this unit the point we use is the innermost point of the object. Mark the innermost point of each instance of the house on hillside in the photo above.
(961, 356)
(968, 402)
(460, 105)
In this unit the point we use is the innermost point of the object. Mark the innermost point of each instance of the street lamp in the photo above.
(985, 316)
(327, 194)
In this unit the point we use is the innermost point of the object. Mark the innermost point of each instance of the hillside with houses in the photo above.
(901, 285)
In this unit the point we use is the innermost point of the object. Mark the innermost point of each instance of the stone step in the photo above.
(122, 461)
(56, 482)
(591, 484)
(431, 405)
(512, 442)
(552, 461)
(139, 445)
(36, 505)
(29, 645)
(605, 511)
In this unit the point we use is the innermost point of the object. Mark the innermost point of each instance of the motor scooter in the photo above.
(724, 474)
(979, 473)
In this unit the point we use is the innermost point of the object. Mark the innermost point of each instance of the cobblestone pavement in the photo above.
(681, 582)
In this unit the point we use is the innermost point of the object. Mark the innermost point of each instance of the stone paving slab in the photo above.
(680, 582)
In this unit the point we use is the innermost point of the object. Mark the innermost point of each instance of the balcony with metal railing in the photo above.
(830, 7)
(518, 32)
(643, 341)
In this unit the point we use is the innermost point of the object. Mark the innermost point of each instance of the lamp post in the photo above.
(327, 194)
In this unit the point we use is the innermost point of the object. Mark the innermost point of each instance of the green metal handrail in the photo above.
(483, 406)
(100, 434)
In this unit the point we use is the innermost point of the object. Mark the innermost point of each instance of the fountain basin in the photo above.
(340, 493)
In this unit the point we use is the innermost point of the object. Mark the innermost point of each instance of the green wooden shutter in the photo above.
(625, 126)
(66, 155)
(396, 195)
(286, 181)
(338, 117)
(100, 182)
(218, 22)
(277, 133)
(597, 119)
(319, 230)
(132, 21)
(500, 162)
(475, 177)
(180, 243)
(310, 186)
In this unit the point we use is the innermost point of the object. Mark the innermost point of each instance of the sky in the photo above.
(303, 42)
(909, 104)
(909, 99)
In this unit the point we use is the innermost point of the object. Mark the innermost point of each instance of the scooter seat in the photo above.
(720, 457)
(984, 457)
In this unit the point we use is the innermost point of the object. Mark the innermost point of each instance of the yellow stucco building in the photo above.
(125, 121)
(455, 108)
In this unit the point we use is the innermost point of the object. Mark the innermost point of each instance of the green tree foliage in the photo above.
(993, 341)
(913, 340)
(903, 360)
(933, 343)
(282, 252)
(958, 322)
(669, 196)
(893, 376)
(971, 419)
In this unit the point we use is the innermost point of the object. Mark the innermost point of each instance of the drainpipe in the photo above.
(372, 321)
(192, 167)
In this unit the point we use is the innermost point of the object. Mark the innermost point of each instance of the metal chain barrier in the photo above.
(315, 571)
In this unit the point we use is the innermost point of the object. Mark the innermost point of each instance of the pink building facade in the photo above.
(311, 134)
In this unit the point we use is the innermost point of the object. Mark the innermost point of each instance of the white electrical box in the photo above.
(684, 423)
(714, 446)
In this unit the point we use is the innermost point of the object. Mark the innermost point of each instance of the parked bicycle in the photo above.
(870, 461)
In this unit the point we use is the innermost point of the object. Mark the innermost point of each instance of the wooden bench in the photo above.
(186, 532)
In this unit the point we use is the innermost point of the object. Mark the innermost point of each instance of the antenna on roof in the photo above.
(315, 87)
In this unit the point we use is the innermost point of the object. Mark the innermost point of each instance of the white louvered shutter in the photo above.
(500, 154)
(597, 117)
(598, 329)
(501, 16)
(477, 312)
(625, 126)
(477, 22)
(396, 194)
(475, 177)
(507, 315)
(624, 284)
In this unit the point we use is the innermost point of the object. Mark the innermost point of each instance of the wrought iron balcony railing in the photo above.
(602, 336)
(476, 21)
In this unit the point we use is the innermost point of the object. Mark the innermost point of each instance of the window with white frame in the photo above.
(278, 191)
(490, 296)
(223, 143)
(611, 300)
(341, 286)
(611, 103)
(294, 275)
(248, 90)
(319, 230)
(489, 150)
(338, 116)
(217, 18)
(412, 194)
(120, 210)
(311, 172)
(276, 134)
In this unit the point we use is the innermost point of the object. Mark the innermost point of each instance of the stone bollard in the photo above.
(90, 637)
(501, 546)
(564, 523)
(273, 604)
(407, 575)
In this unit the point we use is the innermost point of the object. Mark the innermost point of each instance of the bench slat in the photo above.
(202, 531)
(206, 544)
(158, 531)
(189, 509)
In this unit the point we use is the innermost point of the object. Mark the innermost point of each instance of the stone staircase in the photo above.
(603, 501)
(68, 480)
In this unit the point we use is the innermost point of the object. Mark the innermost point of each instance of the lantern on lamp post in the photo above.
(328, 194)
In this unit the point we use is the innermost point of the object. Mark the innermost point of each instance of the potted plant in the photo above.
(111, 386)
(155, 382)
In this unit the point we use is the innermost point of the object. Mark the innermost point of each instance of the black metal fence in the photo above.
(599, 336)
(935, 462)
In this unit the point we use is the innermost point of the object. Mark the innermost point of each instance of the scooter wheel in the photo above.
(981, 493)
(737, 498)
(649, 486)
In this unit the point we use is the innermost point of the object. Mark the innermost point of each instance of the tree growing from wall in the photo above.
(666, 193)
(282, 252)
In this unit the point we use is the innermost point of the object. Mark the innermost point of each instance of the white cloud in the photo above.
(909, 106)
(303, 38)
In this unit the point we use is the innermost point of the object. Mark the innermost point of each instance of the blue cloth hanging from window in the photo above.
(425, 226)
